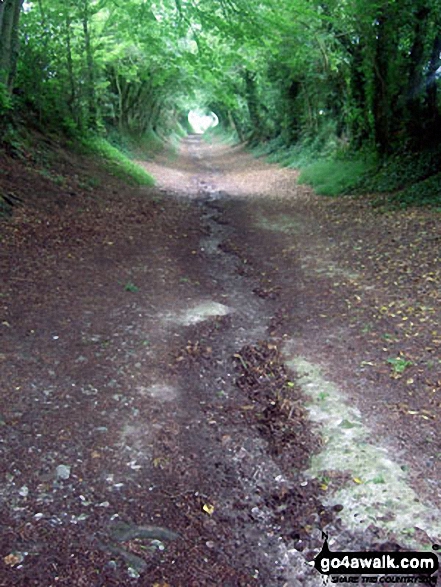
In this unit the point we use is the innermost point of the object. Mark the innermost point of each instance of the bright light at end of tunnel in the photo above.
(201, 121)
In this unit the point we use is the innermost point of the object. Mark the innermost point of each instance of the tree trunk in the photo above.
(382, 110)
(415, 84)
(253, 108)
(417, 54)
(237, 125)
(120, 100)
(360, 132)
(15, 44)
(90, 72)
(433, 116)
(6, 18)
(2, 9)
(9, 40)
(72, 101)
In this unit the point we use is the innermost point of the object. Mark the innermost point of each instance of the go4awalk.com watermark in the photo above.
(383, 568)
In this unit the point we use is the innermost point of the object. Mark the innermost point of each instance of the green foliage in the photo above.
(19, 141)
(422, 193)
(91, 64)
(307, 150)
(218, 133)
(401, 170)
(332, 177)
(53, 177)
(131, 287)
(148, 145)
(5, 100)
(298, 79)
(117, 162)
(407, 179)
(135, 147)
(399, 364)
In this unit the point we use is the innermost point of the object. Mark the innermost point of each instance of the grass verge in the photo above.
(332, 177)
(402, 180)
(117, 162)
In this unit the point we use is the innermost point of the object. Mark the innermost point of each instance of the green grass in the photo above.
(134, 146)
(131, 287)
(118, 162)
(408, 179)
(332, 177)
(401, 180)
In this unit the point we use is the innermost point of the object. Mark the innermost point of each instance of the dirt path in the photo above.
(171, 363)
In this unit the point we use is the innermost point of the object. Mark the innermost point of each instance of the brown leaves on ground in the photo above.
(280, 411)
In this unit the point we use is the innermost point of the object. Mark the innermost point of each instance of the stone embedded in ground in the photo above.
(63, 472)
(199, 313)
(160, 391)
(24, 491)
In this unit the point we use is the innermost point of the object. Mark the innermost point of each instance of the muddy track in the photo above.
(169, 413)
(149, 439)
(228, 368)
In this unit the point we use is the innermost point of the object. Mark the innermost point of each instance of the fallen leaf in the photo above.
(12, 560)
(208, 509)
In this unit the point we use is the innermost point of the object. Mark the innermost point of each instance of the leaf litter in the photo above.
(231, 479)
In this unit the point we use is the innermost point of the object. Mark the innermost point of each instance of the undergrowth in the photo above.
(147, 146)
(407, 179)
(144, 147)
(323, 160)
(219, 133)
(117, 162)
(333, 177)
(423, 193)
(401, 170)
(400, 180)
(309, 148)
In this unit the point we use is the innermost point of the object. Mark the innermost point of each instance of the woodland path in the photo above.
(171, 364)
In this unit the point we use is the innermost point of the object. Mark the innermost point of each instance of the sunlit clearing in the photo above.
(200, 121)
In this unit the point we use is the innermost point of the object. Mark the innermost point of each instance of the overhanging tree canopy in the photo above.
(367, 72)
